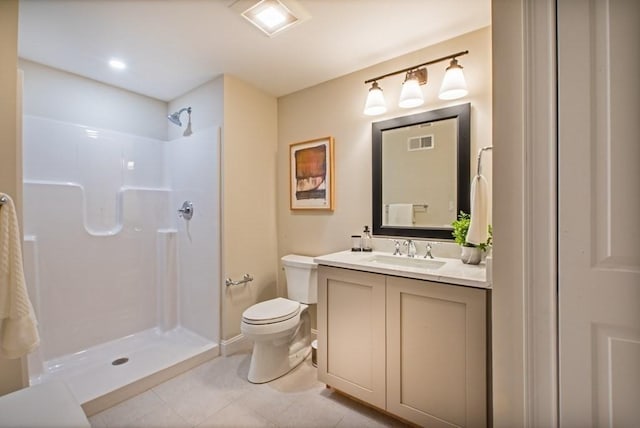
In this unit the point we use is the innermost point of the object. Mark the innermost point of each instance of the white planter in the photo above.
(471, 255)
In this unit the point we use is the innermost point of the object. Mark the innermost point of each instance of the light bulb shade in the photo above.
(453, 85)
(375, 104)
(411, 94)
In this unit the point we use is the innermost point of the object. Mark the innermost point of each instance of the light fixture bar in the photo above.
(404, 70)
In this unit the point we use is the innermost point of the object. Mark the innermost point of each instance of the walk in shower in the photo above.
(123, 287)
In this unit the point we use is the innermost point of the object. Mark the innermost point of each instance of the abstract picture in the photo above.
(311, 174)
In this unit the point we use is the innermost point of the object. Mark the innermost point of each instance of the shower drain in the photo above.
(119, 361)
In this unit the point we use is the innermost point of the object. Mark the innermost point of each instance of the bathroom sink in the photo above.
(404, 261)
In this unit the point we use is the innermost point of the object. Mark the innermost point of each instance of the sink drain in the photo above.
(119, 361)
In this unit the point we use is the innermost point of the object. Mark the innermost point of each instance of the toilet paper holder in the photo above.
(246, 278)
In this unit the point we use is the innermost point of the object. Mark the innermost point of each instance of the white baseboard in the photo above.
(236, 344)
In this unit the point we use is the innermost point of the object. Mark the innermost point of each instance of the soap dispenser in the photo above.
(366, 239)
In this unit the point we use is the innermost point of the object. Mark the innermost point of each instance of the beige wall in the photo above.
(335, 108)
(11, 371)
(249, 199)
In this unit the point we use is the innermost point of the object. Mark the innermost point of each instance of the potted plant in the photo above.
(471, 254)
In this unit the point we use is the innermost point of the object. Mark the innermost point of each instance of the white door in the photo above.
(599, 212)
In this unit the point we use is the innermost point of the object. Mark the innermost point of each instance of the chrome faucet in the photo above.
(411, 248)
(396, 251)
(428, 253)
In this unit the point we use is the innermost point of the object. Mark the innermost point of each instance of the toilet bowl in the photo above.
(281, 328)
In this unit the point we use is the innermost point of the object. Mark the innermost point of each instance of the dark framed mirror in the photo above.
(421, 172)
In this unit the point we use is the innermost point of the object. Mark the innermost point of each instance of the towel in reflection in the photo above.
(400, 215)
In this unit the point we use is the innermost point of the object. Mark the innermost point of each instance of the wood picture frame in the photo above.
(311, 175)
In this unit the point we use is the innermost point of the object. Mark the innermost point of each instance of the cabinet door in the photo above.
(436, 353)
(351, 333)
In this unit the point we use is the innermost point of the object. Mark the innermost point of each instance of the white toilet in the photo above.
(281, 328)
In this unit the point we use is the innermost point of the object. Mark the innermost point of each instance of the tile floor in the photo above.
(217, 394)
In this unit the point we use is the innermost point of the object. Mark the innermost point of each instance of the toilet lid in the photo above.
(271, 311)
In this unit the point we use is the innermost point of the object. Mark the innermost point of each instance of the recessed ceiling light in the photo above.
(117, 64)
(271, 16)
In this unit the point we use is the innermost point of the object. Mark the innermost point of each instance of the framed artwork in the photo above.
(311, 183)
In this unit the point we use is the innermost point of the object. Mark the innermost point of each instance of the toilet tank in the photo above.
(302, 278)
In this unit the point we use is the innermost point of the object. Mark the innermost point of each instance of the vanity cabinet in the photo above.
(436, 353)
(415, 348)
(351, 333)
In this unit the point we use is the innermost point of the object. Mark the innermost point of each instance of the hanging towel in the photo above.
(400, 215)
(18, 331)
(479, 226)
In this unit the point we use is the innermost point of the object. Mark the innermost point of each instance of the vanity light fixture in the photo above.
(411, 93)
(375, 101)
(453, 85)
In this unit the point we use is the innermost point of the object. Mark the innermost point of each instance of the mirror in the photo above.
(421, 172)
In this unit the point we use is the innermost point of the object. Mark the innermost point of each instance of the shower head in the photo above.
(175, 119)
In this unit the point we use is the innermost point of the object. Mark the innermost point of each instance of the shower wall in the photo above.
(193, 165)
(105, 254)
(94, 203)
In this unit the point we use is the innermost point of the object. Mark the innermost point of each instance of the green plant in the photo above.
(460, 229)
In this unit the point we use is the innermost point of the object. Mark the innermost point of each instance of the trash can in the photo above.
(314, 353)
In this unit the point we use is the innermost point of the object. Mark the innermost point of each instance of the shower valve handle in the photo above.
(186, 211)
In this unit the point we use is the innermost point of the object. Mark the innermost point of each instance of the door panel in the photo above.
(599, 207)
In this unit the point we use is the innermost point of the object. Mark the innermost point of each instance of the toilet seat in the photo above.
(271, 311)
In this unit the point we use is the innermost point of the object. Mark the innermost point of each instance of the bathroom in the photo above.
(331, 108)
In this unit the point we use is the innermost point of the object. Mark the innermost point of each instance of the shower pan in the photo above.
(121, 294)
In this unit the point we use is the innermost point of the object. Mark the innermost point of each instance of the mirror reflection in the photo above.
(413, 156)
(421, 172)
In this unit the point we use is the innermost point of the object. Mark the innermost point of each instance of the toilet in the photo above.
(281, 328)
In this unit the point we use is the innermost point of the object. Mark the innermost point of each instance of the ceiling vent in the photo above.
(423, 142)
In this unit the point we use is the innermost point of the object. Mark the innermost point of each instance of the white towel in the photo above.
(400, 215)
(18, 331)
(478, 232)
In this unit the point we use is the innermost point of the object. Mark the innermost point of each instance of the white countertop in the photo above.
(451, 271)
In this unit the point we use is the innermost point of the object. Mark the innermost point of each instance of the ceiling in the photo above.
(173, 46)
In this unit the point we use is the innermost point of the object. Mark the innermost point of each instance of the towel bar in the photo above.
(425, 206)
(480, 156)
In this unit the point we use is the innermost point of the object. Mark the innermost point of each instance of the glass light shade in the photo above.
(453, 85)
(411, 94)
(375, 104)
